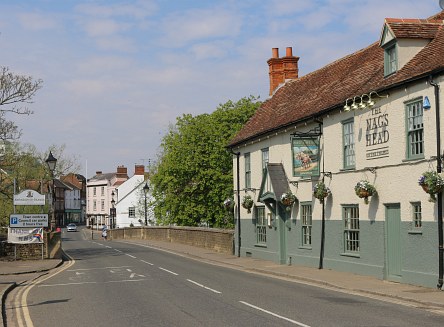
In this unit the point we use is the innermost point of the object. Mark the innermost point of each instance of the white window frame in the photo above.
(350, 214)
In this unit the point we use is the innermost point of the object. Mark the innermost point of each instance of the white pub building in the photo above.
(368, 127)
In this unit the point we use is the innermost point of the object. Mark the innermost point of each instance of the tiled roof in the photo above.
(414, 28)
(101, 177)
(329, 87)
(278, 179)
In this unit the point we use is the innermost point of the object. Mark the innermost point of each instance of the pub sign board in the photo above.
(305, 152)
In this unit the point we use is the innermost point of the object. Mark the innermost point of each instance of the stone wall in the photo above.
(219, 240)
(52, 249)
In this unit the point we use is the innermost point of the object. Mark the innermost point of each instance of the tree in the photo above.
(15, 164)
(15, 91)
(194, 174)
(23, 165)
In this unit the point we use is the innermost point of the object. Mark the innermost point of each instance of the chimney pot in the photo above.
(275, 53)
(289, 52)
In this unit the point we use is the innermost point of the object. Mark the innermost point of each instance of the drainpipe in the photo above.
(438, 169)
(238, 202)
(321, 255)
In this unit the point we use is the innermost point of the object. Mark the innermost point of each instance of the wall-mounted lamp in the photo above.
(361, 103)
(294, 183)
(347, 107)
(354, 105)
(371, 169)
(426, 103)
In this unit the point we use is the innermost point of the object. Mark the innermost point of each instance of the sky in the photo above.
(116, 74)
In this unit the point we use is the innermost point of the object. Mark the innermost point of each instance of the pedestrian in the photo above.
(104, 232)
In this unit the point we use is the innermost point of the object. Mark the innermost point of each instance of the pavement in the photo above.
(13, 273)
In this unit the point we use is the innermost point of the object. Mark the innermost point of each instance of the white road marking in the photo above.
(84, 283)
(117, 250)
(98, 268)
(129, 255)
(203, 286)
(148, 263)
(168, 271)
(107, 246)
(275, 315)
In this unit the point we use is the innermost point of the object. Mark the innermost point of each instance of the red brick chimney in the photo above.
(139, 170)
(122, 171)
(282, 69)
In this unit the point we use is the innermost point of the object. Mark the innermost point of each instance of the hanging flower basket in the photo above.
(287, 199)
(432, 183)
(321, 191)
(247, 203)
(364, 189)
(229, 204)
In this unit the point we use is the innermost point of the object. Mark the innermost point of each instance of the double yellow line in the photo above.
(20, 306)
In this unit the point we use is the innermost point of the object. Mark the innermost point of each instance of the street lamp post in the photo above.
(145, 191)
(113, 211)
(51, 162)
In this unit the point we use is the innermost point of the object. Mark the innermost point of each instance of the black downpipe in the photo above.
(238, 202)
(321, 254)
(438, 169)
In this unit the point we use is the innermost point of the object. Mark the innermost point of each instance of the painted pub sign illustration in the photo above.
(305, 151)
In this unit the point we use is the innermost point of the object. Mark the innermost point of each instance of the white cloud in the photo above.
(137, 10)
(195, 25)
(99, 64)
(209, 50)
(88, 87)
(116, 43)
(289, 7)
(104, 27)
(36, 21)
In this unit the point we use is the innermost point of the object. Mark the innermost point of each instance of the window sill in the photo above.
(348, 254)
(389, 74)
(415, 231)
(260, 245)
(413, 159)
(348, 169)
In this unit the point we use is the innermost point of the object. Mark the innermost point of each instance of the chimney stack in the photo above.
(282, 69)
(139, 170)
(122, 172)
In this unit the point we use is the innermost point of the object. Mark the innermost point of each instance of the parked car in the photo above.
(71, 228)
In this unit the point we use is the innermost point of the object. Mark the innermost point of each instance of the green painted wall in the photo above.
(419, 249)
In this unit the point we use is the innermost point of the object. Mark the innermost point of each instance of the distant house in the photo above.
(130, 205)
(371, 116)
(75, 198)
(99, 190)
(60, 189)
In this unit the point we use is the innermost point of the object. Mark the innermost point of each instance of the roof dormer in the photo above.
(402, 39)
